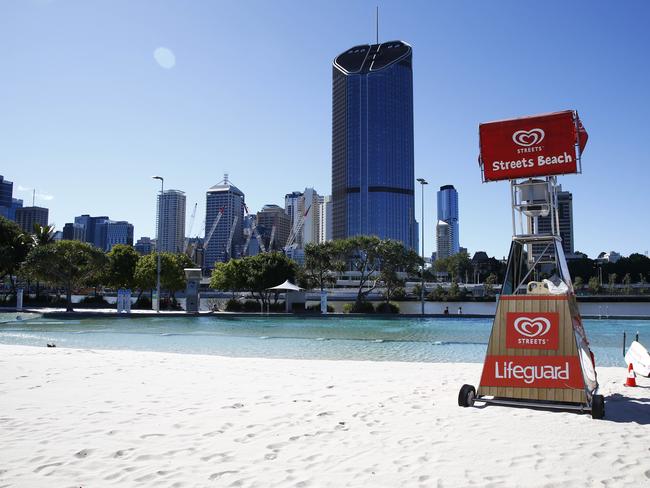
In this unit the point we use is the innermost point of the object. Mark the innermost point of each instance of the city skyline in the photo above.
(111, 106)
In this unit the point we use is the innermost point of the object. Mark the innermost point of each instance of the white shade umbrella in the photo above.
(287, 286)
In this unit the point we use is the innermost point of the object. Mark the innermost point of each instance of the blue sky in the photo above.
(88, 114)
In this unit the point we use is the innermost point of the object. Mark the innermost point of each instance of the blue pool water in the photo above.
(400, 339)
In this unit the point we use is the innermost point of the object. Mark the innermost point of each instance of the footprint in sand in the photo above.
(83, 453)
(216, 476)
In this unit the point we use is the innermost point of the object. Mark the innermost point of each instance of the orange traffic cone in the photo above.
(631, 376)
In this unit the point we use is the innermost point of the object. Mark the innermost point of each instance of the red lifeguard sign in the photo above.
(538, 354)
(540, 145)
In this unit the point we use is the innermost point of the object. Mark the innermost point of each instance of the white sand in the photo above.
(120, 418)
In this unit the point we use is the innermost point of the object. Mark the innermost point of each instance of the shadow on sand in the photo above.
(622, 409)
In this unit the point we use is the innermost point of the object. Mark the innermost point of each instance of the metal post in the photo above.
(422, 182)
(159, 238)
(624, 341)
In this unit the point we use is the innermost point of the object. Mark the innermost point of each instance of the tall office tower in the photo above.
(116, 232)
(325, 218)
(444, 240)
(73, 232)
(144, 246)
(170, 221)
(16, 203)
(6, 193)
(273, 217)
(92, 232)
(372, 143)
(291, 206)
(227, 200)
(448, 212)
(565, 215)
(26, 217)
(310, 231)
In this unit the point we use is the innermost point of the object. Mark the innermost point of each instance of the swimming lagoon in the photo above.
(448, 339)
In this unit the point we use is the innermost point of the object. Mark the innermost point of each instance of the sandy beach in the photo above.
(88, 418)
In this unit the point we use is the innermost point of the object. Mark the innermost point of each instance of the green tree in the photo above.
(321, 263)
(457, 266)
(363, 255)
(612, 281)
(395, 259)
(488, 284)
(122, 261)
(43, 234)
(68, 264)
(14, 247)
(254, 274)
(627, 282)
(172, 274)
(594, 285)
(578, 283)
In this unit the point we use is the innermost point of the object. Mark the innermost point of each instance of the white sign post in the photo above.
(19, 299)
(323, 302)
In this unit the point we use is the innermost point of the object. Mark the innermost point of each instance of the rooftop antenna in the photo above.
(34, 197)
(225, 178)
(377, 22)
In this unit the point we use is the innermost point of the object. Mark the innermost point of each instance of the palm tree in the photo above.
(42, 236)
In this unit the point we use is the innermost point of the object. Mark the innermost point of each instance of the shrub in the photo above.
(358, 307)
(94, 301)
(233, 305)
(142, 303)
(316, 308)
(389, 307)
(399, 294)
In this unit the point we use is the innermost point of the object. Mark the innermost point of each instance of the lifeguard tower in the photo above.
(538, 354)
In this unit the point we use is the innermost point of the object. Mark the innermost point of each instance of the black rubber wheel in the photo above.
(466, 396)
(597, 407)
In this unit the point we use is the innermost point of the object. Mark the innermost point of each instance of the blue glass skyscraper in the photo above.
(448, 213)
(372, 143)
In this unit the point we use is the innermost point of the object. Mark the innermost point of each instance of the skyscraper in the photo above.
(171, 221)
(116, 232)
(325, 219)
(444, 241)
(226, 199)
(273, 217)
(6, 192)
(26, 217)
(448, 213)
(565, 216)
(372, 142)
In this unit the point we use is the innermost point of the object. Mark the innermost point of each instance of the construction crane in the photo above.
(272, 239)
(230, 236)
(296, 229)
(189, 232)
(212, 229)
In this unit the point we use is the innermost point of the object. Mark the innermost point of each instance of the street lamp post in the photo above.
(422, 182)
(158, 239)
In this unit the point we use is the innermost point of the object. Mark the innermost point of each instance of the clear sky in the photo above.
(91, 106)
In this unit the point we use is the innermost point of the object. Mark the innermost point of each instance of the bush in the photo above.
(316, 308)
(387, 307)
(358, 307)
(143, 303)
(94, 302)
(233, 305)
(399, 294)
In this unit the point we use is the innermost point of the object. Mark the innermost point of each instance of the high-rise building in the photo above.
(15, 205)
(565, 215)
(273, 217)
(372, 143)
(448, 213)
(144, 246)
(116, 232)
(92, 231)
(291, 203)
(325, 218)
(26, 217)
(226, 199)
(170, 221)
(444, 240)
(73, 232)
(6, 192)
